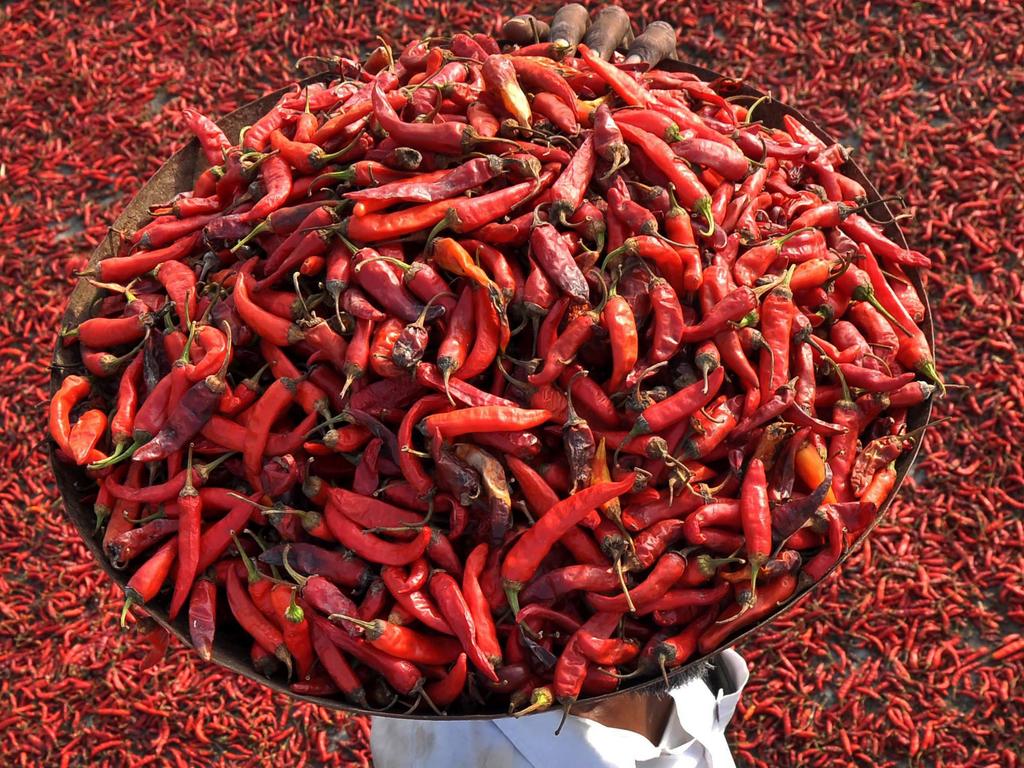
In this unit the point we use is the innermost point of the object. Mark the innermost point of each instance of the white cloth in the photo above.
(693, 738)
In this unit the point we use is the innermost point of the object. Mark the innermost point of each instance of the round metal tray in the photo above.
(178, 174)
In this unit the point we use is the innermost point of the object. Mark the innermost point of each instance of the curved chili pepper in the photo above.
(687, 186)
(445, 691)
(416, 602)
(666, 572)
(541, 499)
(123, 269)
(202, 616)
(569, 189)
(276, 177)
(404, 676)
(334, 664)
(485, 419)
(211, 138)
(456, 612)
(163, 231)
(486, 633)
(429, 188)
(532, 547)
(128, 545)
(710, 427)
(681, 405)
(371, 547)
(552, 253)
(863, 231)
(571, 668)
(186, 417)
(728, 161)
(563, 349)
(406, 643)
(316, 561)
(500, 80)
(668, 321)
(561, 581)
(771, 595)
(629, 90)
(258, 626)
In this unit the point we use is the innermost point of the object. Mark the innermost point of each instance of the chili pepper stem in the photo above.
(928, 369)
(540, 700)
(128, 603)
(121, 453)
(567, 706)
(512, 595)
(767, 98)
(297, 577)
(622, 583)
(703, 207)
(367, 625)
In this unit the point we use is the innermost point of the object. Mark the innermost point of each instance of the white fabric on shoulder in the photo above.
(693, 738)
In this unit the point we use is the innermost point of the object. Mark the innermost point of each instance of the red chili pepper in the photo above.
(146, 582)
(445, 138)
(552, 253)
(677, 407)
(480, 610)
(295, 628)
(334, 664)
(541, 498)
(755, 515)
(128, 545)
(571, 668)
(606, 651)
(501, 81)
(618, 320)
(276, 176)
(429, 187)
(482, 120)
(485, 419)
(190, 515)
(85, 435)
(626, 88)
(456, 612)
(415, 602)
(405, 643)
(863, 231)
(371, 547)
(687, 186)
(532, 547)
(123, 269)
(445, 691)
(568, 191)
(212, 140)
(202, 616)
(562, 351)
(710, 427)
(163, 231)
(404, 676)
(666, 572)
(771, 595)
(725, 159)
(549, 106)
(668, 322)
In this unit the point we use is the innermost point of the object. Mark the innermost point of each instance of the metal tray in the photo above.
(178, 174)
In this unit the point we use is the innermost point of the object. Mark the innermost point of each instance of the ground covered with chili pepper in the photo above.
(933, 628)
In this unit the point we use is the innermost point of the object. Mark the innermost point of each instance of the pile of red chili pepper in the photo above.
(479, 379)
